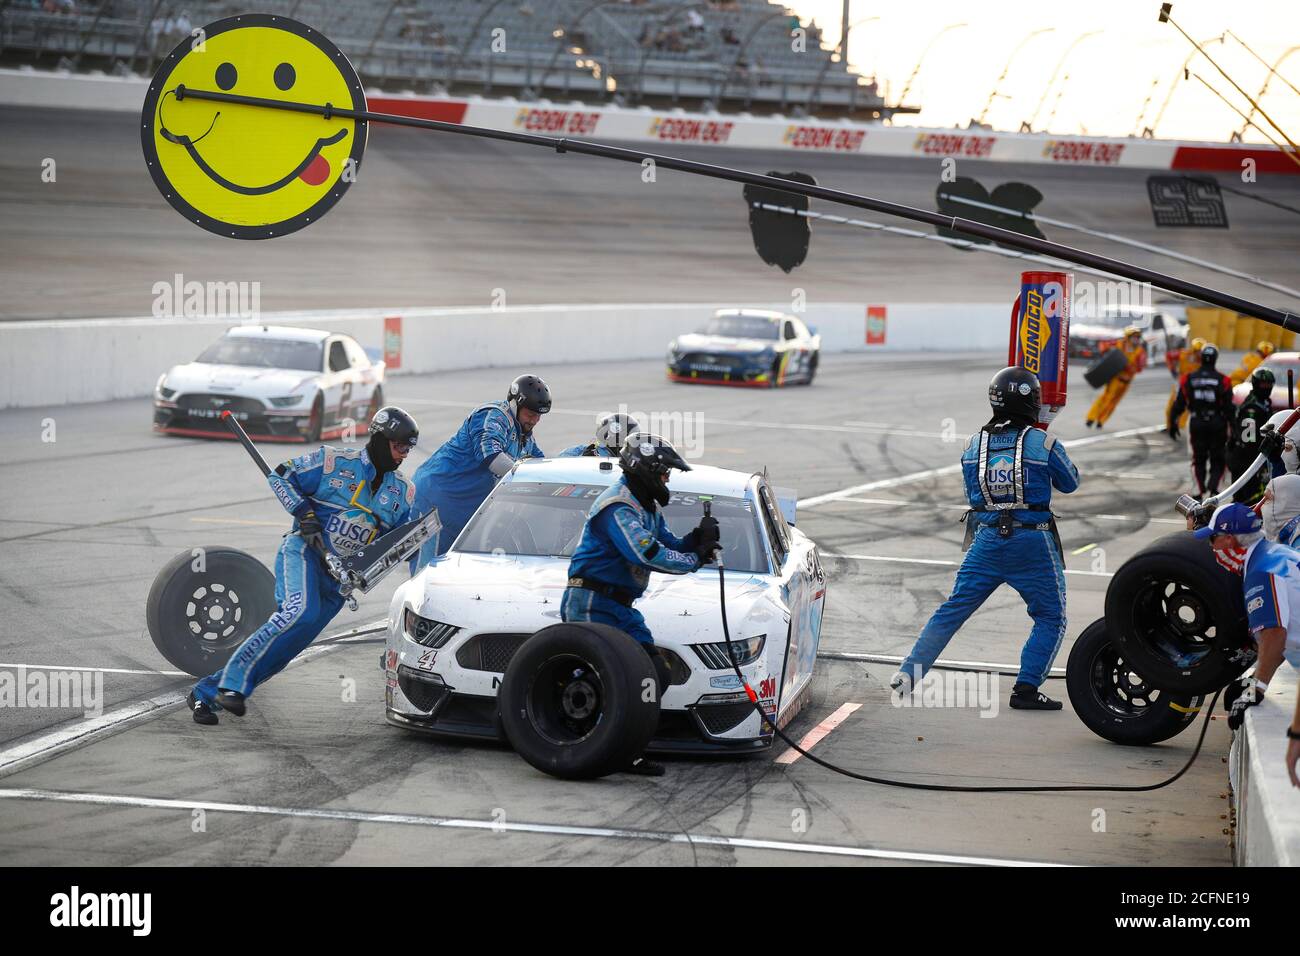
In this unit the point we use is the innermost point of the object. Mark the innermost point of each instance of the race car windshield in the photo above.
(743, 327)
(545, 519)
(265, 353)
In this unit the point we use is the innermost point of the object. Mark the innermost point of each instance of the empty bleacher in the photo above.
(710, 54)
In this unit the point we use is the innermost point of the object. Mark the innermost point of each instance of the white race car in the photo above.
(282, 384)
(454, 627)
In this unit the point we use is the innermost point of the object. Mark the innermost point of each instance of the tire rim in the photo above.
(1120, 689)
(565, 700)
(1174, 621)
(214, 613)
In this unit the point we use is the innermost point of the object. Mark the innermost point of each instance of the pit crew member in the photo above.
(1181, 361)
(1247, 427)
(611, 431)
(624, 539)
(342, 499)
(1271, 582)
(1250, 361)
(1207, 394)
(1010, 468)
(1135, 351)
(463, 471)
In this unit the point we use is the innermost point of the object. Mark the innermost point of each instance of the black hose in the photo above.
(947, 788)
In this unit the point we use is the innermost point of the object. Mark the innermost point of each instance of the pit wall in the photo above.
(93, 360)
(26, 87)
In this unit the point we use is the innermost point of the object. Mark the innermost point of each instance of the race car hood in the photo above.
(245, 380)
(1083, 331)
(698, 342)
(509, 593)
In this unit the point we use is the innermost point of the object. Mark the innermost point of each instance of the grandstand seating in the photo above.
(723, 54)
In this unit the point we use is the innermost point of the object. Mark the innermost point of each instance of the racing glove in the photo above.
(311, 531)
(1245, 693)
(1174, 431)
(708, 530)
(1270, 442)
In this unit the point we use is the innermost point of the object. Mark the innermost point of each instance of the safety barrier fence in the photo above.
(667, 128)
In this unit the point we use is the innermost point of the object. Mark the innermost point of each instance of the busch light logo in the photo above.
(350, 531)
(1001, 475)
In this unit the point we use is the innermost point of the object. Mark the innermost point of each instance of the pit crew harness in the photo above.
(1006, 521)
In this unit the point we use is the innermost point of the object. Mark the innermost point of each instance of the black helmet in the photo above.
(1209, 355)
(529, 391)
(395, 425)
(614, 429)
(649, 455)
(1015, 392)
(1262, 381)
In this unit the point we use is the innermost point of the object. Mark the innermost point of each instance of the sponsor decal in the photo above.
(727, 682)
(767, 687)
(1001, 474)
(282, 493)
(288, 612)
(1034, 332)
(427, 660)
(556, 121)
(350, 531)
(824, 137)
(392, 341)
(1082, 151)
(345, 473)
(381, 416)
(336, 483)
(954, 144)
(677, 129)
(383, 499)
(1255, 605)
(390, 661)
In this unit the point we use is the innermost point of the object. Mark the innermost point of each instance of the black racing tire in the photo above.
(198, 618)
(573, 701)
(1179, 617)
(775, 377)
(1117, 703)
(1106, 366)
(812, 368)
(376, 403)
(317, 420)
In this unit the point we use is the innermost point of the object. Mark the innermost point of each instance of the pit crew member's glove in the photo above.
(311, 531)
(708, 530)
(1174, 431)
(1246, 693)
(1270, 442)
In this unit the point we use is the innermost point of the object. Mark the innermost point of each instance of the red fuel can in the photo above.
(1040, 335)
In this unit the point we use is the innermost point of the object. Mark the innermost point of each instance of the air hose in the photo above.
(945, 788)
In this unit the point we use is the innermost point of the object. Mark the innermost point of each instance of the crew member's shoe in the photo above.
(232, 701)
(645, 768)
(203, 714)
(1098, 425)
(1027, 697)
(1088, 423)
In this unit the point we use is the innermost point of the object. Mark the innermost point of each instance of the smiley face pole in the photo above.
(241, 171)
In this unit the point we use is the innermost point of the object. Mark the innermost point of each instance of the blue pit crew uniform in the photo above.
(458, 477)
(621, 543)
(336, 484)
(590, 450)
(1011, 471)
(1271, 583)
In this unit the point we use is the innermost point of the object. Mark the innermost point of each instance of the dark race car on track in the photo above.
(747, 347)
(280, 383)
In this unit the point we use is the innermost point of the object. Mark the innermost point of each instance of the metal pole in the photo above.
(1272, 72)
(907, 87)
(843, 50)
(994, 92)
(1028, 125)
(1006, 237)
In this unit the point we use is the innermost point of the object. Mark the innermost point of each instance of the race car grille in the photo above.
(424, 691)
(708, 361)
(489, 652)
(719, 718)
(211, 406)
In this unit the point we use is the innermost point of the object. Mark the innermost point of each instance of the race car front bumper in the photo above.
(199, 416)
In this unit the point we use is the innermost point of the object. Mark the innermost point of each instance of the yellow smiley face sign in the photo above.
(244, 171)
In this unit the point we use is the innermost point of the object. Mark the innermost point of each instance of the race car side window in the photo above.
(338, 357)
(775, 530)
(789, 330)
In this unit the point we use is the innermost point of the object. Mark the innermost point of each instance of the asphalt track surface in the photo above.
(446, 220)
(309, 777)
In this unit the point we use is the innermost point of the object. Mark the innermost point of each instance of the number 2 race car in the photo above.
(455, 627)
(281, 384)
(747, 347)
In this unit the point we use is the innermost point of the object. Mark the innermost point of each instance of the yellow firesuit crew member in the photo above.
(1136, 353)
(1250, 361)
(1186, 359)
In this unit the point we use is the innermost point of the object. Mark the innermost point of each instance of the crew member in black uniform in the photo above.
(1248, 424)
(1207, 394)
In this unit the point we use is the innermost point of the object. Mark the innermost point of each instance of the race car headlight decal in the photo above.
(745, 650)
(424, 631)
(285, 401)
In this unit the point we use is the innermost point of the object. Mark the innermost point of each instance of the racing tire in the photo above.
(1106, 366)
(197, 619)
(812, 368)
(1178, 617)
(316, 421)
(573, 701)
(376, 403)
(775, 376)
(1117, 703)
